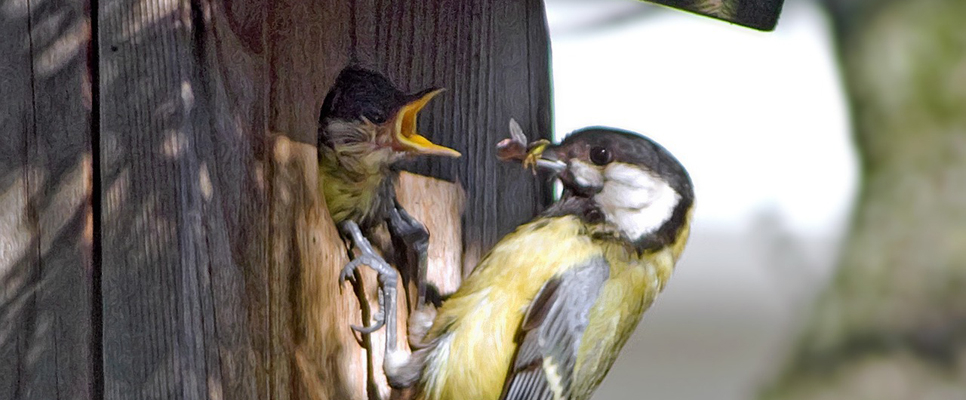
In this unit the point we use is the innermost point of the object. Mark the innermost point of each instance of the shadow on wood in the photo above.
(216, 255)
(45, 201)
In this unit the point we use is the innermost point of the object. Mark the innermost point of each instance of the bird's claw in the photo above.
(349, 270)
(367, 330)
(348, 273)
(380, 322)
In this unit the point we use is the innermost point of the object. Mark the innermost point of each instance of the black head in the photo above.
(601, 146)
(637, 184)
(360, 97)
(359, 92)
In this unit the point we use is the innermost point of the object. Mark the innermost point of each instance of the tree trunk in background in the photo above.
(892, 324)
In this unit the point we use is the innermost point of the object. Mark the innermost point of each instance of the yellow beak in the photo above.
(406, 135)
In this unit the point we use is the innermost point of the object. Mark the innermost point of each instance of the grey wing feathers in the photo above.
(551, 332)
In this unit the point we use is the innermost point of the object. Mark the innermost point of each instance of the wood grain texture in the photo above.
(181, 192)
(438, 205)
(219, 263)
(45, 192)
(305, 50)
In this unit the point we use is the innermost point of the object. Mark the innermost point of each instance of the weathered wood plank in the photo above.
(45, 191)
(17, 227)
(211, 286)
(179, 170)
(233, 167)
(438, 205)
(306, 312)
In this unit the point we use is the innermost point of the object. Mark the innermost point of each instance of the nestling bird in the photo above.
(546, 311)
(366, 125)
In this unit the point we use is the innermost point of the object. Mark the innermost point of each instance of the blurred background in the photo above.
(762, 122)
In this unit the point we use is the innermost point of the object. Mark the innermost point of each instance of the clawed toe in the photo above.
(367, 330)
(347, 274)
(385, 278)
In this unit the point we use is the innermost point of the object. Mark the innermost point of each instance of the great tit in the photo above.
(366, 125)
(546, 311)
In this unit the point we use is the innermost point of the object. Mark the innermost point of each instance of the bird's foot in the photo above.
(387, 278)
(349, 270)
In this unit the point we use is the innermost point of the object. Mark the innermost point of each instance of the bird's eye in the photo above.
(378, 118)
(375, 116)
(600, 155)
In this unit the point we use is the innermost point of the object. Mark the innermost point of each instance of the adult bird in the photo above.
(546, 311)
(366, 125)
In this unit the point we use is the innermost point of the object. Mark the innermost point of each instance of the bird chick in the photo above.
(366, 125)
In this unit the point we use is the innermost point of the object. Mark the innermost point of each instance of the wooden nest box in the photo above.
(166, 237)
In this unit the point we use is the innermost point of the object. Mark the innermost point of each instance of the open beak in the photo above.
(406, 136)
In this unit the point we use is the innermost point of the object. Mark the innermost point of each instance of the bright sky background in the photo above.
(759, 119)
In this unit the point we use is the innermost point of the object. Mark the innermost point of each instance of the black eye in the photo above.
(377, 118)
(600, 155)
(374, 115)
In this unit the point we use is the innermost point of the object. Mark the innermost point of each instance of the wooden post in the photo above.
(216, 259)
(45, 201)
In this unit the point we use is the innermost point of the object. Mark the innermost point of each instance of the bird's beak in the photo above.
(554, 160)
(549, 160)
(406, 136)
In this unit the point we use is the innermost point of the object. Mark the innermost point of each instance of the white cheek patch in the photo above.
(635, 200)
(585, 175)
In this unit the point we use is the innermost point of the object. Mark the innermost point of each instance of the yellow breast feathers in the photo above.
(476, 329)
